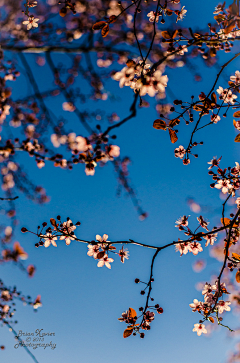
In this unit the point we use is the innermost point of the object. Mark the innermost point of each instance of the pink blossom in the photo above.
(236, 78)
(202, 222)
(224, 185)
(49, 239)
(93, 250)
(31, 22)
(195, 247)
(180, 152)
(211, 238)
(199, 329)
(196, 305)
(123, 254)
(105, 261)
(223, 305)
(114, 151)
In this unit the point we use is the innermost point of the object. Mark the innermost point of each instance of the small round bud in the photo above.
(137, 281)
(142, 292)
(24, 230)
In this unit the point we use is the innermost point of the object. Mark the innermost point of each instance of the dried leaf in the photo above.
(238, 276)
(127, 332)
(236, 256)
(175, 34)
(53, 222)
(214, 97)
(98, 25)
(159, 125)
(169, 12)
(237, 138)
(112, 19)
(229, 28)
(166, 35)
(219, 18)
(226, 221)
(211, 319)
(132, 313)
(213, 52)
(173, 136)
(105, 30)
(100, 255)
(198, 107)
(130, 63)
(236, 114)
(173, 123)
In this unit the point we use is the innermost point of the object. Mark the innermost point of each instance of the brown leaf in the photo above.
(112, 19)
(127, 332)
(231, 84)
(173, 136)
(173, 123)
(234, 9)
(211, 319)
(175, 34)
(229, 28)
(213, 52)
(100, 255)
(237, 138)
(130, 63)
(238, 276)
(219, 18)
(105, 30)
(236, 256)
(214, 97)
(169, 12)
(226, 221)
(159, 125)
(235, 125)
(132, 313)
(53, 222)
(236, 114)
(166, 34)
(198, 107)
(98, 25)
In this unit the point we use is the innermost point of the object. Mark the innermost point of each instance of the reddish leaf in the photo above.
(112, 19)
(173, 136)
(100, 255)
(229, 28)
(237, 138)
(53, 222)
(238, 276)
(236, 256)
(132, 313)
(127, 332)
(214, 97)
(173, 123)
(211, 319)
(105, 30)
(166, 35)
(99, 25)
(130, 63)
(159, 125)
(236, 114)
(226, 221)
(175, 34)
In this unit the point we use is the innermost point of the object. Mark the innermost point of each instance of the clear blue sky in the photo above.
(81, 302)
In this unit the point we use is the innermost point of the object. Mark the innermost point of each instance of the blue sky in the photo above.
(81, 302)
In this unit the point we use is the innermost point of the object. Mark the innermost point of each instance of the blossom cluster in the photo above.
(138, 76)
(192, 244)
(210, 305)
(99, 251)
